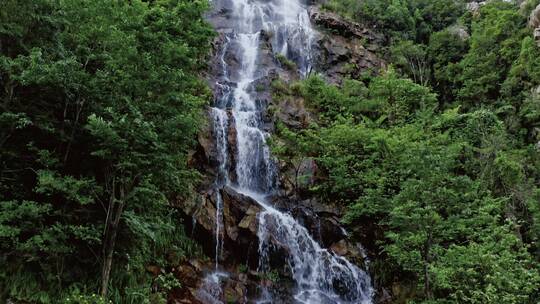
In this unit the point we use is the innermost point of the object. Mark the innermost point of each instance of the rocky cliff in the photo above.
(344, 49)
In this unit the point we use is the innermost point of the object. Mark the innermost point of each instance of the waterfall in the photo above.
(320, 276)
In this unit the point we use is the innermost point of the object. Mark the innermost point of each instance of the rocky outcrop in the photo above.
(239, 222)
(474, 6)
(534, 23)
(292, 112)
(346, 48)
(342, 27)
(534, 20)
(460, 31)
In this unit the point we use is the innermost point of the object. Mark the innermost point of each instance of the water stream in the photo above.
(319, 275)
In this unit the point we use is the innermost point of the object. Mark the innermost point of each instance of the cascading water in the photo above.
(320, 276)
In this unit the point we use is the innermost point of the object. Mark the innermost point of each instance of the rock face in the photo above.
(534, 20)
(293, 114)
(239, 222)
(338, 25)
(534, 23)
(345, 48)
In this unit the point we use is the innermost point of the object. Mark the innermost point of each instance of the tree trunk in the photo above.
(427, 260)
(116, 207)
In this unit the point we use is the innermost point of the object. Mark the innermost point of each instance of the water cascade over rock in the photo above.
(251, 32)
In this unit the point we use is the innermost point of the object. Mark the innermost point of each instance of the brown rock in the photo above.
(352, 252)
(250, 221)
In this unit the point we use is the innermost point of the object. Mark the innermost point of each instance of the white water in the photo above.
(320, 276)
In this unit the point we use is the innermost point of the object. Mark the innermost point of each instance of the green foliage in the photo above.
(445, 191)
(288, 64)
(402, 19)
(100, 104)
(412, 60)
(77, 298)
(446, 48)
(495, 40)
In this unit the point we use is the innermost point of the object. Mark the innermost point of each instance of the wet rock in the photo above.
(383, 296)
(238, 213)
(351, 251)
(189, 274)
(321, 221)
(233, 146)
(205, 213)
(221, 17)
(207, 143)
(235, 292)
(250, 220)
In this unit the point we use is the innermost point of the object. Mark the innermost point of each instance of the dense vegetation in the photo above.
(437, 159)
(98, 109)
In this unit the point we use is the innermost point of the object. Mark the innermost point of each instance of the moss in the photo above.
(286, 63)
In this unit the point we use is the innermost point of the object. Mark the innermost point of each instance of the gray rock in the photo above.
(460, 31)
(307, 174)
(340, 26)
(534, 19)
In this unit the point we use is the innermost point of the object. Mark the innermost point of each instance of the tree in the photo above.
(100, 107)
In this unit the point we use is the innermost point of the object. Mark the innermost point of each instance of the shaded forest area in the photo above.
(100, 104)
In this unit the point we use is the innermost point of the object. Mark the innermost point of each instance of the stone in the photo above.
(534, 23)
(534, 19)
(346, 48)
(473, 7)
(293, 114)
(460, 31)
(341, 26)
(250, 221)
(341, 57)
(190, 275)
(307, 172)
(353, 252)
(207, 142)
